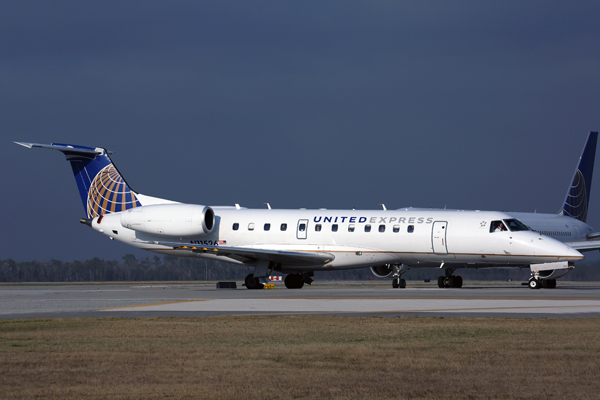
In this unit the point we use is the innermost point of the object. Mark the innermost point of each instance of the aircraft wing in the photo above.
(249, 255)
(585, 246)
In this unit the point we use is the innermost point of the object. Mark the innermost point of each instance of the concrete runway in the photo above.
(323, 298)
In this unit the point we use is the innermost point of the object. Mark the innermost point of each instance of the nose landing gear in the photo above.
(536, 283)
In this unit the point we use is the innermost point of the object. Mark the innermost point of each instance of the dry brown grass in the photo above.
(274, 357)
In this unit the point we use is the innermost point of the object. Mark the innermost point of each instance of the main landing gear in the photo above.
(292, 281)
(253, 283)
(399, 283)
(449, 280)
(397, 280)
(297, 281)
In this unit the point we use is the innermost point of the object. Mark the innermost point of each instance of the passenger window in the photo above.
(497, 226)
(334, 228)
(251, 226)
(236, 226)
(351, 228)
(318, 227)
(267, 227)
(410, 229)
(367, 228)
(396, 228)
(284, 227)
(381, 228)
(302, 227)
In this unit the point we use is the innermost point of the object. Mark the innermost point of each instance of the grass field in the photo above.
(276, 357)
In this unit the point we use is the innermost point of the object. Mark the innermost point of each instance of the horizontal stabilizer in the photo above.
(585, 245)
(62, 147)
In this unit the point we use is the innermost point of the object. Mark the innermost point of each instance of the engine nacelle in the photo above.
(170, 219)
(382, 271)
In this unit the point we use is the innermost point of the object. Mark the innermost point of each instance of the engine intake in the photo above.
(382, 271)
(170, 219)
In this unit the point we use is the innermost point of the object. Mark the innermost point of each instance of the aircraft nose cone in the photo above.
(575, 254)
(553, 247)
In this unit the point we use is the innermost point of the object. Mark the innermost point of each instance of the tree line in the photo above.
(191, 269)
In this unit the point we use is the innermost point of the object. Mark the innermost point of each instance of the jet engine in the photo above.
(382, 271)
(170, 219)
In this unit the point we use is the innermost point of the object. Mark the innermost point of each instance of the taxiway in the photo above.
(330, 298)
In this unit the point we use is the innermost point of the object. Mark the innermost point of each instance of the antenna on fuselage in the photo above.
(268, 205)
(383, 205)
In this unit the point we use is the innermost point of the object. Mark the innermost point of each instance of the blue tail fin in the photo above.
(578, 196)
(101, 187)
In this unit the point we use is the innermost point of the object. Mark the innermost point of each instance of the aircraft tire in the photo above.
(449, 282)
(534, 284)
(458, 281)
(294, 281)
(441, 282)
(395, 283)
(402, 284)
(253, 283)
(549, 283)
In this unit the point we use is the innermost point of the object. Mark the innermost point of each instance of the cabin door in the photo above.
(438, 237)
(302, 228)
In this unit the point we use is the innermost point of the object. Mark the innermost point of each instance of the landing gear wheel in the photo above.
(398, 283)
(252, 282)
(534, 284)
(458, 281)
(441, 280)
(451, 281)
(294, 281)
(549, 283)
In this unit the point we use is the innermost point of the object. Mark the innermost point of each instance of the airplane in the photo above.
(296, 243)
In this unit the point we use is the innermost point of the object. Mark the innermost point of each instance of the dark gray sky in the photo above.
(336, 104)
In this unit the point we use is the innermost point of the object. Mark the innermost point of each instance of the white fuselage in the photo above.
(356, 239)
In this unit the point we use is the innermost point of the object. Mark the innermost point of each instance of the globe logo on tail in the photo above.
(109, 193)
(576, 203)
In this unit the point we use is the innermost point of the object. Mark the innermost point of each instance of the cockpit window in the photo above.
(497, 226)
(515, 225)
